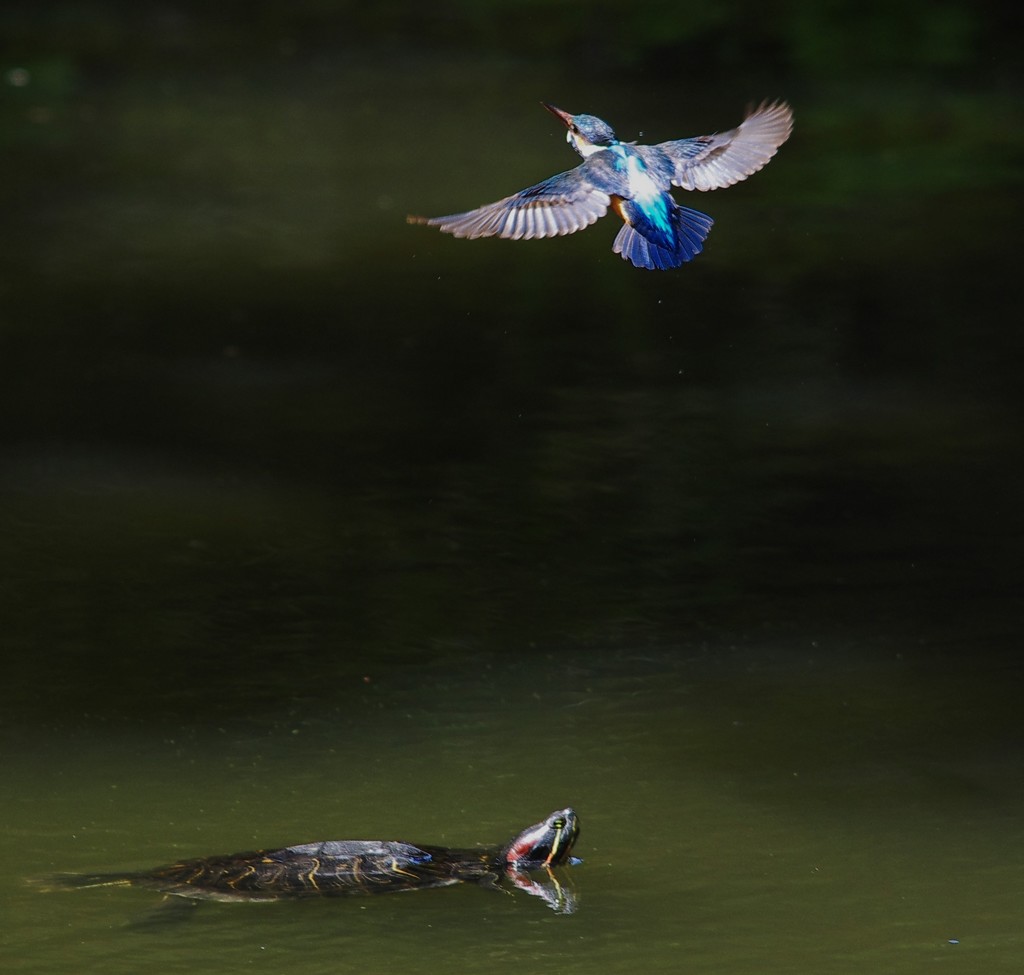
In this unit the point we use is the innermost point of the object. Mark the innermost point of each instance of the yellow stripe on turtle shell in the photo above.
(235, 881)
(313, 870)
(397, 869)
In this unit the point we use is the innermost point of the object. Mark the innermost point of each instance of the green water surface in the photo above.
(316, 525)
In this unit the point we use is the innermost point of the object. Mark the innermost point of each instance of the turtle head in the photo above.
(545, 844)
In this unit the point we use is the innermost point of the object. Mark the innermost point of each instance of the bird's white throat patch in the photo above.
(581, 145)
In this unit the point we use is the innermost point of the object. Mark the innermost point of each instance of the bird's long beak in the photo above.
(558, 113)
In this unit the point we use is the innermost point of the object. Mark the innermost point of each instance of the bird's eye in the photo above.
(574, 129)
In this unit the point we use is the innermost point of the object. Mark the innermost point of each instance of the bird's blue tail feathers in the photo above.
(648, 245)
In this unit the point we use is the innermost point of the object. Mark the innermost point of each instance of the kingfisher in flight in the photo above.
(634, 181)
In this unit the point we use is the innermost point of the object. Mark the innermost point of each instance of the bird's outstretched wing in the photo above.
(560, 205)
(710, 162)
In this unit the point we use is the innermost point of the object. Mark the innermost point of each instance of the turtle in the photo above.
(332, 868)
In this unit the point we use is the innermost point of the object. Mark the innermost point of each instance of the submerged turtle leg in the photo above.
(489, 880)
(170, 910)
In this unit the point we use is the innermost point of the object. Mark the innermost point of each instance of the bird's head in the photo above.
(586, 133)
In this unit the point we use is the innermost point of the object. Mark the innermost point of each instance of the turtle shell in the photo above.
(329, 868)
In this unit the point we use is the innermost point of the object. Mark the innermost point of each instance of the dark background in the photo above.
(259, 439)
